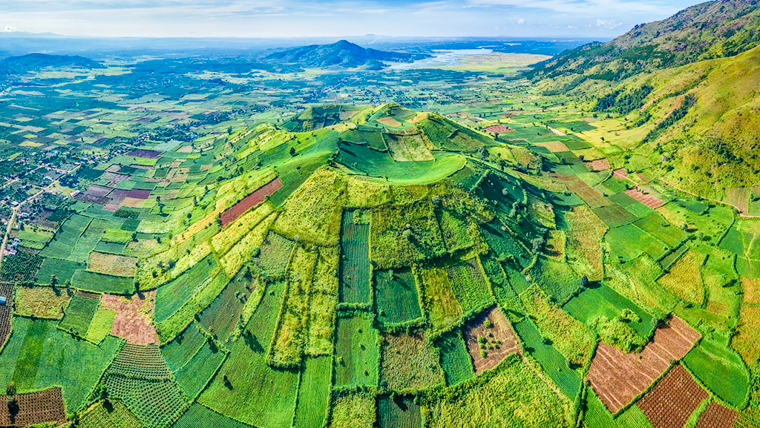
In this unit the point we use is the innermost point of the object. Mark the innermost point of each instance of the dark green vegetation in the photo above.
(328, 252)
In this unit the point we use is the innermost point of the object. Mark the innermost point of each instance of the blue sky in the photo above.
(333, 18)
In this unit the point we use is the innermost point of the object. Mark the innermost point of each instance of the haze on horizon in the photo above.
(333, 18)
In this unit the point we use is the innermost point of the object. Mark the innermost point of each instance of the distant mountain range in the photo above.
(340, 54)
(39, 61)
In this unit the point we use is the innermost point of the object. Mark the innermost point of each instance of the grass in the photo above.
(455, 360)
(224, 315)
(514, 396)
(409, 363)
(314, 392)
(629, 242)
(63, 270)
(39, 355)
(355, 268)
(259, 394)
(396, 296)
(170, 297)
(356, 352)
(79, 313)
(275, 252)
(394, 245)
(596, 415)
(118, 416)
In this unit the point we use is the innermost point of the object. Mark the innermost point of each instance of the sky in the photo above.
(333, 18)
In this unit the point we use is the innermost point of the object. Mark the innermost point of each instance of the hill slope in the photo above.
(709, 30)
(340, 54)
(38, 61)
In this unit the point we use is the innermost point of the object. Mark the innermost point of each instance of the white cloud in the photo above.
(521, 21)
(609, 24)
(9, 29)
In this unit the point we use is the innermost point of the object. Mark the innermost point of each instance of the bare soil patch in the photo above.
(389, 121)
(649, 200)
(717, 416)
(554, 146)
(133, 315)
(35, 408)
(598, 165)
(618, 377)
(620, 174)
(670, 403)
(250, 201)
(499, 334)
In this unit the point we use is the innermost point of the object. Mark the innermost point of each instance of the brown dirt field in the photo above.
(670, 403)
(35, 408)
(132, 321)
(501, 330)
(132, 202)
(139, 194)
(497, 129)
(717, 416)
(738, 197)
(389, 121)
(141, 153)
(590, 196)
(620, 174)
(649, 200)
(554, 146)
(618, 377)
(250, 201)
(751, 288)
(112, 264)
(598, 165)
(6, 311)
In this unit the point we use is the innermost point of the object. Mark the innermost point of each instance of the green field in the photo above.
(554, 364)
(396, 296)
(721, 370)
(455, 360)
(469, 285)
(600, 300)
(356, 352)
(199, 370)
(100, 283)
(79, 313)
(355, 278)
(198, 416)
(180, 350)
(398, 412)
(255, 393)
(173, 295)
(39, 355)
(313, 393)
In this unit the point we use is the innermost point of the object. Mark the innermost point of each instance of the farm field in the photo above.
(461, 236)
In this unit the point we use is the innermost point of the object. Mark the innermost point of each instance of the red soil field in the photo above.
(649, 200)
(617, 378)
(717, 416)
(620, 174)
(35, 408)
(497, 129)
(590, 196)
(501, 330)
(6, 290)
(132, 320)
(249, 202)
(670, 403)
(598, 165)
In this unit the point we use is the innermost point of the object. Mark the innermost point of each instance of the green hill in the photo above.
(710, 30)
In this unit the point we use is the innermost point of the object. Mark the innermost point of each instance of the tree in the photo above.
(292, 151)
(584, 281)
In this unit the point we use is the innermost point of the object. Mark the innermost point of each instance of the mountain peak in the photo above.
(339, 54)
